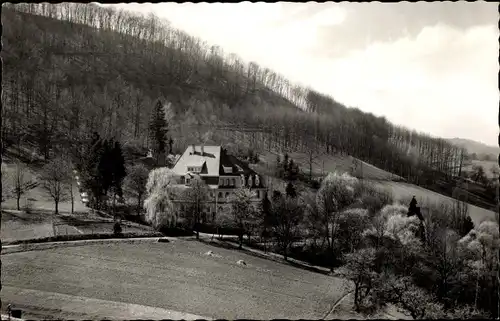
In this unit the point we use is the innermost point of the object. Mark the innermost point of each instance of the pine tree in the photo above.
(158, 129)
(118, 172)
(106, 166)
(290, 190)
(279, 167)
(286, 163)
(293, 171)
(265, 208)
(90, 169)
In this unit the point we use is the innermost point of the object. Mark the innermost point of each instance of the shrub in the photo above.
(28, 206)
(78, 237)
(117, 228)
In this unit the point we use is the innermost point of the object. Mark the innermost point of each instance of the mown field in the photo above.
(178, 276)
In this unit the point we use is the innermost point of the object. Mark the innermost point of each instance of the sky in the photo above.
(429, 66)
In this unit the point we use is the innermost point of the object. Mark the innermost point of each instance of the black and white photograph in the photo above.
(250, 160)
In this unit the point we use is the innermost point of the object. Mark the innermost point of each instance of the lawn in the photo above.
(38, 197)
(17, 225)
(178, 276)
(403, 191)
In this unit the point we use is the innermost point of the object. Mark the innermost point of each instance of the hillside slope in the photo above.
(72, 69)
(476, 147)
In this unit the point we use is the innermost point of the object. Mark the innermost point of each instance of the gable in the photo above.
(209, 161)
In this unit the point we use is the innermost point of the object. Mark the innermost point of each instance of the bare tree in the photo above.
(55, 179)
(19, 182)
(286, 217)
(195, 197)
(243, 210)
(135, 183)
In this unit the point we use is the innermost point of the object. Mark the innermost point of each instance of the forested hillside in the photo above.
(71, 69)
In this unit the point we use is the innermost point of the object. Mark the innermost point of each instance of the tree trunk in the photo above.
(139, 198)
(72, 198)
(19, 201)
(356, 297)
(57, 207)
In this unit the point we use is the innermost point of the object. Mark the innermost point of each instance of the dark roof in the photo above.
(238, 167)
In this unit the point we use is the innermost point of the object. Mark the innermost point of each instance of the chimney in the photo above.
(202, 150)
(192, 150)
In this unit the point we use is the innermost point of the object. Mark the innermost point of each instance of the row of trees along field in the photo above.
(72, 69)
(441, 268)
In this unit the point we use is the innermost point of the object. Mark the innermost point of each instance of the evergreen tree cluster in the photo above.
(103, 169)
(287, 169)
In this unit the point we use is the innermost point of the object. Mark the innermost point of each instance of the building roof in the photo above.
(238, 166)
(214, 161)
(210, 157)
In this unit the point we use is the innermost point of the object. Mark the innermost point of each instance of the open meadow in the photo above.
(323, 164)
(403, 191)
(177, 276)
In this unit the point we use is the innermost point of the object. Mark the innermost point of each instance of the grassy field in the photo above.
(177, 276)
(329, 163)
(487, 166)
(18, 225)
(403, 191)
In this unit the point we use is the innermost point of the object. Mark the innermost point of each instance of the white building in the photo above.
(222, 172)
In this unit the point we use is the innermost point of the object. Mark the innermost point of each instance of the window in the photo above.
(232, 181)
(227, 181)
(220, 194)
(227, 194)
(211, 194)
(221, 183)
(258, 194)
(187, 180)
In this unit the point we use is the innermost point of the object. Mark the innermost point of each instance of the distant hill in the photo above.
(478, 148)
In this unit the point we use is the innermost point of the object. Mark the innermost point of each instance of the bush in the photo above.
(28, 206)
(175, 231)
(80, 237)
(213, 229)
(117, 228)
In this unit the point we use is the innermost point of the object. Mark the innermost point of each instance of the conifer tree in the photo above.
(106, 166)
(90, 173)
(158, 129)
(118, 171)
(290, 190)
